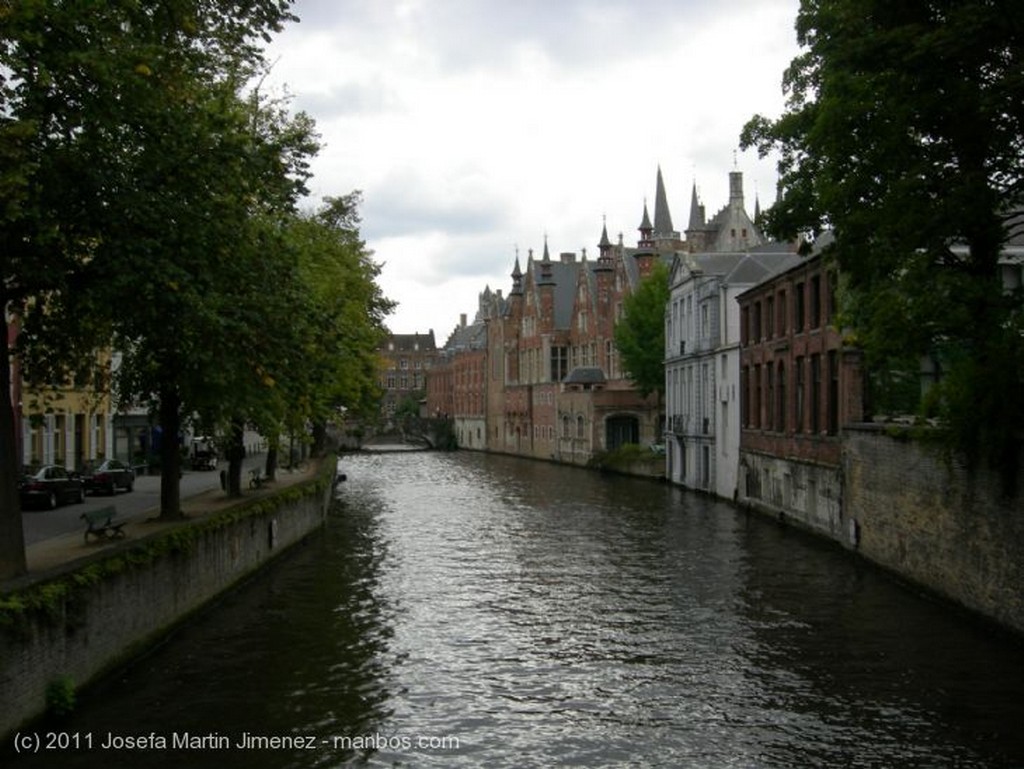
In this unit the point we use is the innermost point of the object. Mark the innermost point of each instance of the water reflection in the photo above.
(546, 616)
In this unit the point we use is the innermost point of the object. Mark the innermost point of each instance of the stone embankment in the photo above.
(69, 624)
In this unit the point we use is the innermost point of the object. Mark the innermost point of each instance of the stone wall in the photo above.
(804, 493)
(920, 514)
(87, 620)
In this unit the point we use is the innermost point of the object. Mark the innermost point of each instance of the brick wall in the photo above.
(920, 514)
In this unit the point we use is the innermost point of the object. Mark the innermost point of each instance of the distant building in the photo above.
(553, 383)
(456, 387)
(405, 361)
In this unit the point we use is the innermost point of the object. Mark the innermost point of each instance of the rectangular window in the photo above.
(745, 396)
(780, 412)
(559, 363)
(815, 393)
(769, 317)
(816, 301)
(783, 320)
(755, 407)
(800, 321)
(798, 407)
(769, 376)
(757, 322)
(833, 392)
(832, 287)
(744, 329)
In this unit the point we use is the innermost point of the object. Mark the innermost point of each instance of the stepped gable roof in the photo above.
(472, 336)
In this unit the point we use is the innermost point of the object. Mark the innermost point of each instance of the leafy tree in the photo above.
(344, 315)
(132, 173)
(904, 133)
(640, 334)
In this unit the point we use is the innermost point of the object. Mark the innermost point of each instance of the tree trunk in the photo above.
(170, 456)
(271, 466)
(319, 438)
(236, 453)
(12, 535)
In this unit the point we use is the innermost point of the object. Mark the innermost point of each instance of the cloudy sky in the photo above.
(476, 127)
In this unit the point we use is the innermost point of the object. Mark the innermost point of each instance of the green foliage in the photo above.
(629, 458)
(51, 597)
(148, 204)
(640, 334)
(60, 696)
(902, 134)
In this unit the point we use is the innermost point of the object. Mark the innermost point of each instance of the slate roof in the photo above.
(413, 342)
(563, 278)
(586, 375)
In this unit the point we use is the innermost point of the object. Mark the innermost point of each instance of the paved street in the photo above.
(142, 502)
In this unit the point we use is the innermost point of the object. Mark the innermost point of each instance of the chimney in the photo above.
(567, 257)
(462, 319)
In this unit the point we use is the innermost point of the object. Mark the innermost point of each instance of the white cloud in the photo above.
(474, 126)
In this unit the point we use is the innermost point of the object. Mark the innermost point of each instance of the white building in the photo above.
(727, 255)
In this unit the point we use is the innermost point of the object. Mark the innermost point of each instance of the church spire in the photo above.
(517, 276)
(662, 216)
(645, 224)
(696, 212)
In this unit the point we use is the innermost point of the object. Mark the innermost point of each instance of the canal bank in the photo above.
(467, 610)
(73, 620)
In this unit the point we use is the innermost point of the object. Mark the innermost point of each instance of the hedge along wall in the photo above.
(922, 515)
(89, 619)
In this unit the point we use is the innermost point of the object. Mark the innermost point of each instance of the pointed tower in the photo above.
(696, 211)
(517, 279)
(604, 246)
(663, 229)
(546, 275)
(646, 228)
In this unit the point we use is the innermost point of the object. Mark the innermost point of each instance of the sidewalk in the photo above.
(56, 553)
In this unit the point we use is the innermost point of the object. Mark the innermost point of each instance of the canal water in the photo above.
(465, 610)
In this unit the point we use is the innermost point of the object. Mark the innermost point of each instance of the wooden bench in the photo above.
(100, 523)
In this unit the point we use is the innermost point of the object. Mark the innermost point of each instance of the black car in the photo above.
(108, 476)
(50, 486)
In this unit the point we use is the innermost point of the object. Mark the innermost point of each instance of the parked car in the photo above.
(108, 476)
(50, 486)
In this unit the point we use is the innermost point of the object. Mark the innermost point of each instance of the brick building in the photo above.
(405, 361)
(799, 384)
(553, 384)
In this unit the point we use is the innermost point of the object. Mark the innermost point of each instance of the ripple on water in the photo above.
(546, 616)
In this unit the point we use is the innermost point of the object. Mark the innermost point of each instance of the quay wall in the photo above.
(77, 624)
(920, 514)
